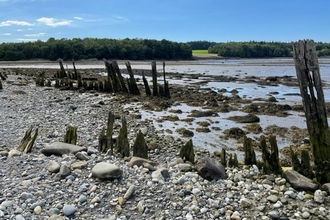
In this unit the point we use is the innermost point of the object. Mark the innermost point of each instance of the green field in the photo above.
(203, 53)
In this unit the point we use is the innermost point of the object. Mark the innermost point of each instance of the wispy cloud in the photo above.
(120, 18)
(35, 35)
(54, 22)
(12, 22)
(78, 18)
(7, 34)
(19, 30)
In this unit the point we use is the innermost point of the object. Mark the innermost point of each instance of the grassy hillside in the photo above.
(203, 54)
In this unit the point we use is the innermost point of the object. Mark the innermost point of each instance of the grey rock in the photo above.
(59, 148)
(82, 155)
(138, 161)
(69, 210)
(105, 170)
(274, 214)
(65, 170)
(53, 211)
(56, 217)
(129, 192)
(160, 175)
(19, 217)
(53, 166)
(326, 187)
(210, 169)
(26, 195)
(299, 182)
(319, 196)
(272, 198)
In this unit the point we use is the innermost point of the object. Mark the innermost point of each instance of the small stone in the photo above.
(105, 171)
(37, 210)
(274, 214)
(140, 207)
(129, 192)
(82, 155)
(69, 210)
(306, 215)
(79, 165)
(121, 201)
(53, 167)
(318, 196)
(272, 198)
(82, 199)
(96, 199)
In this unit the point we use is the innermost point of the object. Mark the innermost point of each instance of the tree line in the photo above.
(143, 49)
(87, 48)
(261, 49)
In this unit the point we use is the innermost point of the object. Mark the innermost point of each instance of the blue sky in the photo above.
(175, 20)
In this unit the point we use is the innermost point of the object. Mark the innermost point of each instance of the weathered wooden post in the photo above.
(62, 71)
(308, 74)
(71, 135)
(133, 88)
(119, 76)
(154, 78)
(28, 140)
(0, 84)
(105, 138)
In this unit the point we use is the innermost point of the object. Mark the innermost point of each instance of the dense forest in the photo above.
(143, 49)
(261, 49)
(68, 49)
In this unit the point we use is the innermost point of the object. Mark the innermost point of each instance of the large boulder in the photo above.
(210, 169)
(299, 182)
(59, 148)
(105, 171)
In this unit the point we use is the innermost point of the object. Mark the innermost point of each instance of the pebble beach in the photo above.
(36, 186)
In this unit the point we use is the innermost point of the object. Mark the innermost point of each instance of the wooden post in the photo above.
(119, 76)
(132, 82)
(71, 135)
(27, 141)
(154, 78)
(308, 74)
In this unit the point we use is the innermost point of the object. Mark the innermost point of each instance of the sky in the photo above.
(174, 20)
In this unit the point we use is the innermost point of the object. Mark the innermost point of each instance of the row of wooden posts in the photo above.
(113, 83)
(310, 83)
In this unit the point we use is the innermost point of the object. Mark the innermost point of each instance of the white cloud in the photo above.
(54, 22)
(19, 30)
(18, 23)
(35, 35)
(7, 34)
(78, 18)
(120, 18)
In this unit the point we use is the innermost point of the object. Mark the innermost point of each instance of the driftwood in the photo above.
(310, 83)
(27, 141)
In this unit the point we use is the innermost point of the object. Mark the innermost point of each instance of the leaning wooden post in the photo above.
(28, 141)
(132, 82)
(62, 71)
(119, 76)
(154, 78)
(308, 74)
